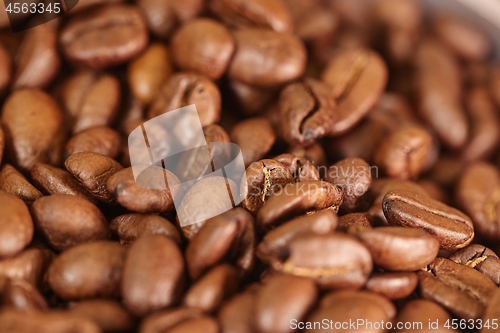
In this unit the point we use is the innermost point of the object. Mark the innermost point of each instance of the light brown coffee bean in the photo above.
(104, 36)
(109, 315)
(149, 71)
(93, 170)
(21, 295)
(255, 137)
(5, 69)
(358, 78)
(68, 220)
(130, 227)
(16, 225)
(22, 114)
(156, 198)
(217, 285)
(452, 228)
(30, 265)
(101, 140)
(424, 311)
(183, 89)
(481, 259)
(153, 275)
(14, 182)
(89, 270)
(393, 285)
(300, 167)
(266, 58)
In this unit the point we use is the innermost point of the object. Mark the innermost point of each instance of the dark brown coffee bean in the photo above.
(478, 192)
(88, 271)
(2, 143)
(438, 85)
(22, 114)
(21, 295)
(387, 243)
(485, 126)
(237, 314)
(68, 220)
(184, 89)
(424, 311)
(481, 259)
(282, 298)
(58, 181)
(153, 275)
(255, 137)
(203, 324)
(16, 225)
(156, 198)
(91, 99)
(307, 110)
(452, 228)
(30, 265)
(218, 239)
(130, 227)
(491, 314)
(404, 154)
(300, 167)
(446, 171)
(263, 179)
(148, 72)
(109, 315)
(217, 285)
(393, 285)
(204, 46)
(93, 170)
(358, 78)
(315, 154)
(434, 190)
(299, 198)
(161, 321)
(37, 60)
(271, 14)
(332, 261)
(13, 181)
(353, 221)
(472, 43)
(5, 69)
(101, 140)
(494, 84)
(353, 176)
(461, 290)
(104, 36)
(266, 58)
(251, 100)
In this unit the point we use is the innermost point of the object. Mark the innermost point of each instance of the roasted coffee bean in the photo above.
(2, 143)
(491, 314)
(93, 170)
(5, 69)
(461, 290)
(446, 171)
(68, 220)
(149, 71)
(299, 198)
(353, 221)
(30, 265)
(104, 36)
(153, 275)
(308, 112)
(423, 311)
(472, 44)
(266, 58)
(160, 321)
(91, 99)
(58, 181)
(494, 84)
(130, 227)
(16, 225)
(263, 179)
(183, 89)
(217, 285)
(255, 137)
(281, 299)
(358, 78)
(481, 259)
(315, 154)
(204, 46)
(405, 153)
(478, 192)
(251, 100)
(89, 270)
(434, 191)
(452, 228)
(271, 14)
(386, 243)
(203, 324)
(333, 261)
(21, 295)
(13, 181)
(101, 140)
(109, 315)
(23, 112)
(393, 285)
(236, 315)
(276, 241)
(151, 197)
(353, 176)
(300, 167)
